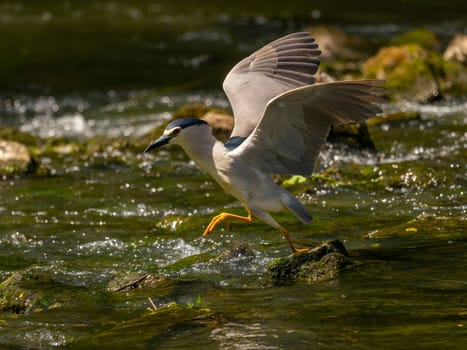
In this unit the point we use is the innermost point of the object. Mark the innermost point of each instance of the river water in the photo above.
(119, 211)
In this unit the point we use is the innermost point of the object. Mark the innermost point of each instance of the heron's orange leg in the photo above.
(225, 216)
(285, 233)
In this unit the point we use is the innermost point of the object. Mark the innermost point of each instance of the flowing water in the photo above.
(119, 211)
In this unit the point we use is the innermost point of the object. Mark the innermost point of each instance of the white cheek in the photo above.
(177, 140)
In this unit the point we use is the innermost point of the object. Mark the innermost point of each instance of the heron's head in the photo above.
(177, 132)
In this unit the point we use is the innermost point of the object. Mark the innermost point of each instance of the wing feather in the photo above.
(284, 64)
(295, 124)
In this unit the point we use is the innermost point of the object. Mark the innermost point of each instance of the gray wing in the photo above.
(284, 64)
(295, 124)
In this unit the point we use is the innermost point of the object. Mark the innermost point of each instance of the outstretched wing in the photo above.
(295, 124)
(282, 65)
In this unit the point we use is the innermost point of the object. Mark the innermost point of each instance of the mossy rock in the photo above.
(411, 71)
(423, 37)
(155, 323)
(315, 265)
(455, 82)
(187, 262)
(328, 267)
(14, 298)
(395, 118)
(354, 135)
(22, 294)
(14, 134)
(425, 226)
(234, 251)
(134, 280)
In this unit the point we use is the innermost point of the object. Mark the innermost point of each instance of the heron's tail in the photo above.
(296, 207)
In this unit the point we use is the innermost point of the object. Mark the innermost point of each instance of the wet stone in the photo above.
(235, 251)
(13, 298)
(355, 135)
(315, 265)
(24, 294)
(129, 281)
(457, 49)
(14, 157)
(328, 267)
(336, 44)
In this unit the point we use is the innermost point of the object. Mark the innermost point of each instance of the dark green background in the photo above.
(82, 45)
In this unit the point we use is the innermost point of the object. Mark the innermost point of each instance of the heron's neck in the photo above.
(200, 148)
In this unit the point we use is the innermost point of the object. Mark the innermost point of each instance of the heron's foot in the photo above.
(285, 233)
(303, 250)
(224, 217)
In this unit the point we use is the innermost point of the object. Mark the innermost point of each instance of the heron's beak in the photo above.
(161, 141)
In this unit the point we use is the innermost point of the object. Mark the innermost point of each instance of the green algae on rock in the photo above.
(409, 70)
(317, 264)
(235, 250)
(395, 118)
(354, 135)
(425, 226)
(156, 322)
(415, 73)
(328, 267)
(423, 37)
(134, 280)
(187, 262)
(24, 293)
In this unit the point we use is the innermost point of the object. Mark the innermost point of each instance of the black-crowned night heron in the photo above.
(282, 121)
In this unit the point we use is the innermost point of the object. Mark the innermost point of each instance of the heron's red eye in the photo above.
(176, 131)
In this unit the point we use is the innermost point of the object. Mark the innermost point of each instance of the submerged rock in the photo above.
(14, 298)
(234, 251)
(315, 265)
(134, 280)
(157, 322)
(20, 294)
(188, 262)
(425, 226)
